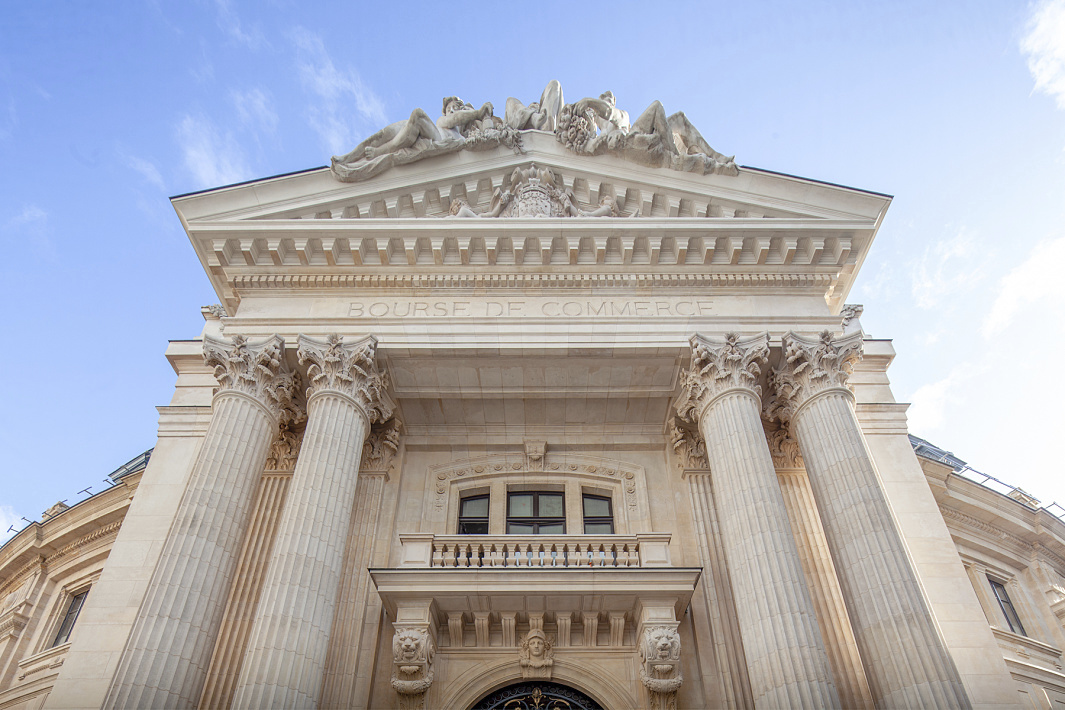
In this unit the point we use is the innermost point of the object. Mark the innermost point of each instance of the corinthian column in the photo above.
(905, 658)
(166, 657)
(290, 637)
(786, 658)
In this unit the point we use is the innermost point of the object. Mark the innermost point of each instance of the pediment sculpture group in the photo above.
(591, 126)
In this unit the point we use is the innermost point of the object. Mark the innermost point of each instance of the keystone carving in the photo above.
(688, 445)
(810, 367)
(412, 665)
(348, 368)
(536, 655)
(719, 366)
(660, 666)
(381, 446)
(255, 369)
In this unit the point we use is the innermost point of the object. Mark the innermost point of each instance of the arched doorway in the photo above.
(536, 695)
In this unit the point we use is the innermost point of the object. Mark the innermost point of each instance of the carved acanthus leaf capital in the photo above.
(688, 445)
(719, 366)
(348, 368)
(255, 369)
(381, 446)
(809, 367)
(783, 447)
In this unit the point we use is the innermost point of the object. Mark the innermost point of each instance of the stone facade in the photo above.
(554, 402)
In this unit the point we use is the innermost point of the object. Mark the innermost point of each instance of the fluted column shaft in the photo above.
(287, 649)
(786, 658)
(166, 657)
(905, 659)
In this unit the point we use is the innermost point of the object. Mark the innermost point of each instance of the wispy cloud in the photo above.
(146, 169)
(1044, 44)
(30, 225)
(214, 158)
(341, 95)
(947, 268)
(230, 23)
(255, 110)
(929, 403)
(1037, 280)
(8, 519)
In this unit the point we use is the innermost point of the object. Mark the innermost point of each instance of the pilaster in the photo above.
(785, 654)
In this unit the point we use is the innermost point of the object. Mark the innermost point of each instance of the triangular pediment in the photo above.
(755, 229)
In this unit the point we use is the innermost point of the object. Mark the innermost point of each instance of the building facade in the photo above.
(554, 409)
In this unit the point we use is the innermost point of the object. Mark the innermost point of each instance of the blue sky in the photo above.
(956, 108)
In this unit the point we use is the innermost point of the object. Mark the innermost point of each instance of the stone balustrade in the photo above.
(535, 551)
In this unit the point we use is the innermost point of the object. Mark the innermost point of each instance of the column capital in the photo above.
(810, 366)
(719, 366)
(255, 369)
(347, 368)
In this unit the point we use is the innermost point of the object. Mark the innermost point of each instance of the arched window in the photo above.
(537, 695)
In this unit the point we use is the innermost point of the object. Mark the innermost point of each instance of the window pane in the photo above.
(521, 505)
(552, 528)
(70, 618)
(551, 506)
(598, 528)
(596, 507)
(475, 508)
(519, 529)
(473, 528)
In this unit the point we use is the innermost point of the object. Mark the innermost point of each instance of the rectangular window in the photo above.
(598, 517)
(1006, 605)
(536, 513)
(473, 516)
(76, 602)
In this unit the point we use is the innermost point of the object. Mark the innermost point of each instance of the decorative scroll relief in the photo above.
(718, 366)
(537, 192)
(660, 666)
(809, 367)
(688, 445)
(629, 477)
(256, 369)
(381, 446)
(536, 656)
(348, 368)
(850, 316)
(589, 127)
(412, 665)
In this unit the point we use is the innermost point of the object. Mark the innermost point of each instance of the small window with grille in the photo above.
(598, 515)
(536, 513)
(1006, 605)
(73, 609)
(473, 516)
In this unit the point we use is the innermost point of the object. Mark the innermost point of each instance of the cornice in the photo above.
(1024, 549)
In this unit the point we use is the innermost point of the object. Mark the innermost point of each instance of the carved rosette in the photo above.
(536, 655)
(810, 367)
(688, 445)
(254, 369)
(347, 368)
(381, 446)
(720, 366)
(660, 665)
(412, 665)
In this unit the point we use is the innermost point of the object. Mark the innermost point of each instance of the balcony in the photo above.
(535, 551)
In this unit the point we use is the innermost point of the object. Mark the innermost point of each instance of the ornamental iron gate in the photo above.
(537, 696)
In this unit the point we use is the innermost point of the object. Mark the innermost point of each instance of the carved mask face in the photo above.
(663, 645)
(408, 647)
(536, 647)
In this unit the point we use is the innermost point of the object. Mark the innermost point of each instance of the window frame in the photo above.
(535, 520)
(597, 519)
(71, 614)
(475, 519)
(1007, 607)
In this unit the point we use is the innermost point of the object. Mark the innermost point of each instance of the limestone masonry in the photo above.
(557, 409)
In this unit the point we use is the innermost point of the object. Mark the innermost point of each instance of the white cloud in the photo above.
(230, 23)
(9, 518)
(1044, 44)
(212, 157)
(255, 109)
(30, 214)
(929, 403)
(947, 268)
(1037, 280)
(147, 170)
(341, 93)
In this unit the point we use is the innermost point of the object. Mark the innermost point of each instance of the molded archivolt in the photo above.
(469, 687)
(627, 480)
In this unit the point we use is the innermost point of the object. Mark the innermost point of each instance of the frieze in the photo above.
(570, 308)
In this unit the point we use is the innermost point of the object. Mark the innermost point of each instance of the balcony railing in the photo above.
(535, 551)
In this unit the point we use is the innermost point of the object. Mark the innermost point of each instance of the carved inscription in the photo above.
(552, 308)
